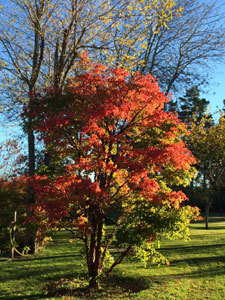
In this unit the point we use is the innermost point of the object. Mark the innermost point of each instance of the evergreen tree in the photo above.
(191, 104)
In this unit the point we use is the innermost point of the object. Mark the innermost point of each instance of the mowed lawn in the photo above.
(196, 271)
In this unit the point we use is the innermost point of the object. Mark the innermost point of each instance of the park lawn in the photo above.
(196, 271)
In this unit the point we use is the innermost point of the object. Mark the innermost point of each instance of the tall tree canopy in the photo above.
(192, 106)
(187, 47)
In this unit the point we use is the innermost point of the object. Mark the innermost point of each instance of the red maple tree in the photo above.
(123, 153)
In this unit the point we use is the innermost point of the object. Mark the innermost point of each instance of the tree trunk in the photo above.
(13, 235)
(207, 204)
(94, 253)
(30, 239)
(207, 216)
(93, 283)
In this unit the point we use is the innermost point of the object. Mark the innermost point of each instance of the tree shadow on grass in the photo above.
(127, 283)
(201, 273)
(201, 260)
(209, 272)
(42, 273)
(117, 285)
(210, 227)
(113, 286)
(216, 219)
(204, 267)
(51, 287)
(67, 286)
(3, 259)
(19, 259)
(22, 297)
(192, 248)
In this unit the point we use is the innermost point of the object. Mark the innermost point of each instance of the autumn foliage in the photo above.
(123, 153)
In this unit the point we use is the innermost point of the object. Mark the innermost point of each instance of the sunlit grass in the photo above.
(196, 271)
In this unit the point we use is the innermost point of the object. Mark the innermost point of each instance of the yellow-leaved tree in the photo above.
(207, 143)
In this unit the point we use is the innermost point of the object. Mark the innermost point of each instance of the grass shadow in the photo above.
(114, 285)
(39, 272)
(200, 260)
(209, 229)
(31, 297)
(19, 259)
(4, 259)
(127, 283)
(192, 247)
(209, 272)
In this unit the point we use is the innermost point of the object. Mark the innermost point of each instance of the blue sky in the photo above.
(216, 90)
(217, 93)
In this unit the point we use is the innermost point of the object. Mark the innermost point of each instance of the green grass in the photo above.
(197, 271)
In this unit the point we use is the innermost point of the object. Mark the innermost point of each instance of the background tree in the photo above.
(129, 39)
(192, 109)
(23, 52)
(207, 145)
(191, 45)
(191, 106)
(179, 52)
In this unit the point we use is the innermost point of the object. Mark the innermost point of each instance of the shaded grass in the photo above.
(197, 271)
